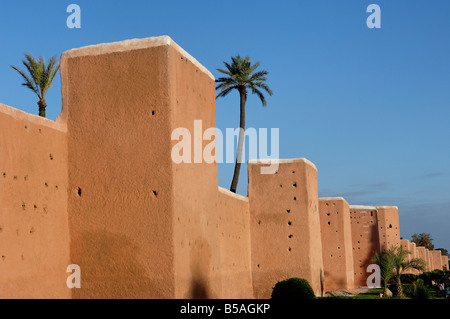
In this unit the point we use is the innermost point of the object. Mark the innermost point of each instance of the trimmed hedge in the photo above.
(293, 288)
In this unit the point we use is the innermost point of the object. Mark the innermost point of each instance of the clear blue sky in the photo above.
(370, 107)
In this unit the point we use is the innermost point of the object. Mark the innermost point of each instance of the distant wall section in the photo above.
(34, 234)
(337, 252)
(365, 242)
(285, 225)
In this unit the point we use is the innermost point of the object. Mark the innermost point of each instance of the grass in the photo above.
(433, 291)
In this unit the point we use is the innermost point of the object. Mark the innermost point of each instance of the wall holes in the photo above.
(294, 185)
(46, 184)
(293, 172)
(51, 156)
(153, 112)
(23, 206)
(289, 249)
(390, 225)
(259, 222)
(32, 230)
(290, 236)
(329, 223)
(4, 175)
(288, 210)
(290, 223)
(155, 193)
(79, 192)
(295, 198)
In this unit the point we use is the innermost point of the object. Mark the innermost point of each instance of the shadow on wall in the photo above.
(200, 256)
(110, 268)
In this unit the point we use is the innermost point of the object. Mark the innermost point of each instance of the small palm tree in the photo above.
(386, 264)
(40, 77)
(393, 263)
(241, 77)
(398, 255)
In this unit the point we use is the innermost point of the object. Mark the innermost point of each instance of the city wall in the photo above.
(98, 188)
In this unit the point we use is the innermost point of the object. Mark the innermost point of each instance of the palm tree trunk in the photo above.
(237, 168)
(399, 287)
(42, 105)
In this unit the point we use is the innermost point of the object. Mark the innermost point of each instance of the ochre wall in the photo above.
(34, 235)
(116, 101)
(197, 260)
(388, 227)
(444, 262)
(405, 246)
(409, 247)
(364, 226)
(412, 249)
(429, 261)
(235, 245)
(98, 188)
(337, 252)
(436, 258)
(285, 225)
(422, 254)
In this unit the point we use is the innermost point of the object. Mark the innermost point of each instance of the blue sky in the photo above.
(370, 107)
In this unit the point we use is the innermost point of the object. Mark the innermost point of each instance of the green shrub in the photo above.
(420, 292)
(436, 276)
(293, 288)
(408, 290)
(409, 278)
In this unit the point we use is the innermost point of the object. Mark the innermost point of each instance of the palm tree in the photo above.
(240, 77)
(393, 263)
(40, 77)
(386, 264)
(398, 255)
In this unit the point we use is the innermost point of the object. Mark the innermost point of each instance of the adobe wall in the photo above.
(235, 245)
(429, 260)
(410, 247)
(34, 236)
(118, 107)
(99, 188)
(406, 247)
(365, 242)
(444, 263)
(285, 225)
(145, 226)
(413, 255)
(197, 260)
(436, 258)
(421, 252)
(337, 252)
(388, 227)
